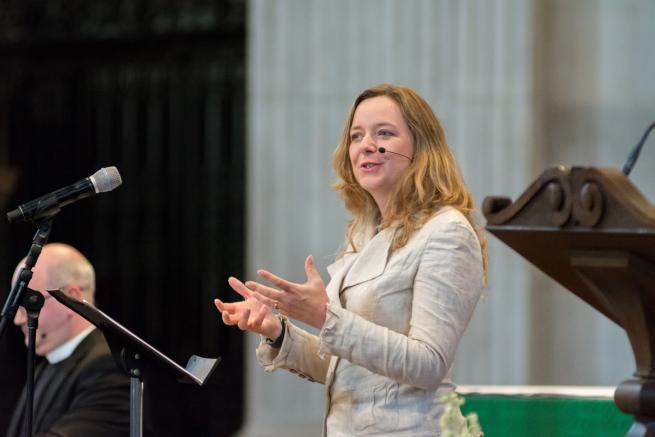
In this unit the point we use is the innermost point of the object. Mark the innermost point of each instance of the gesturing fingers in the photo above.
(243, 320)
(252, 319)
(270, 295)
(271, 303)
(226, 311)
(310, 269)
(276, 280)
(260, 316)
(225, 307)
(304, 302)
(227, 319)
(239, 287)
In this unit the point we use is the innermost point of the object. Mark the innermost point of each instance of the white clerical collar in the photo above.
(65, 350)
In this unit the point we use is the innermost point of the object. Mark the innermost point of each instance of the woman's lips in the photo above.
(370, 166)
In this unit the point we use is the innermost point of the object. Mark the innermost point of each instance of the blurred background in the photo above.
(222, 116)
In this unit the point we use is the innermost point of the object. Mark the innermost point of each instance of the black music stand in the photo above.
(133, 355)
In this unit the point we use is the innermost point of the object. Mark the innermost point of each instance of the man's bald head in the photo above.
(59, 266)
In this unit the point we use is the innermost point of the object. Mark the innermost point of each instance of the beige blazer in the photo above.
(386, 349)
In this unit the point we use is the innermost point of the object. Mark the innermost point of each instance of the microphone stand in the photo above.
(32, 301)
(14, 300)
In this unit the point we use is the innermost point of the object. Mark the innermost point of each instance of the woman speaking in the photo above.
(401, 292)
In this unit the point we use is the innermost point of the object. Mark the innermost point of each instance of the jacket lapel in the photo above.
(371, 261)
(355, 268)
(17, 425)
(61, 375)
(338, 271)
(58, 376)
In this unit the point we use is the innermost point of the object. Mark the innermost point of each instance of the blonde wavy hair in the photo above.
(432, 180)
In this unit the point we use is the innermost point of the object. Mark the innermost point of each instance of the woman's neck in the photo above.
(382, 206)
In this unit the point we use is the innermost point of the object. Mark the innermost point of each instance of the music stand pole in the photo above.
(136, 406)
(130, 363)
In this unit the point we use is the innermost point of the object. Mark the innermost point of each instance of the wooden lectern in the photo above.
(592, 231)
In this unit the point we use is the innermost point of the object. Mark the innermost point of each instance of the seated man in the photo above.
(78, 390)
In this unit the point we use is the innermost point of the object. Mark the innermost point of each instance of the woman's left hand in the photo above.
(303, 302)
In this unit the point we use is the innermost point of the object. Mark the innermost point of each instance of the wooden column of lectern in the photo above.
(592, 231)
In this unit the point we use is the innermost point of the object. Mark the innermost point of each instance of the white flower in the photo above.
(453, 424)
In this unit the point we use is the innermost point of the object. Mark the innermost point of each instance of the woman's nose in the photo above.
(369, 143)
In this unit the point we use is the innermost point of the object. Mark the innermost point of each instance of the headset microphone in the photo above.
(44, 335)
(383, 150)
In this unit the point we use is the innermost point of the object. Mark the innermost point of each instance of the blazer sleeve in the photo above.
(298, 354)
(446, 289)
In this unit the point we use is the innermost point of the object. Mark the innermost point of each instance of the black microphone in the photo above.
(383, 150)
(105, 179)
(632, 159)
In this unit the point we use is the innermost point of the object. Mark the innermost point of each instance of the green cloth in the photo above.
(547, 416)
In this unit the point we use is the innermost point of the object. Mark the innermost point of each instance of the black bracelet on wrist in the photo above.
(277, 343)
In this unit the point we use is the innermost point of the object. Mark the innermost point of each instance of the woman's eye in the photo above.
(355, 136)
(385, 133)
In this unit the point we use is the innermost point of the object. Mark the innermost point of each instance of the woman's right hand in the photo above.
(249, 314)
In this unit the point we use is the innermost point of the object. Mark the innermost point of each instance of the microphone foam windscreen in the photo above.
(106, 179)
